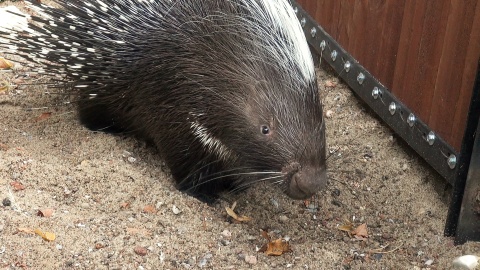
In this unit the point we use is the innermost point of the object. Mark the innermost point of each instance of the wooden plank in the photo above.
(391, 19)
(468, 79)
(426, 52)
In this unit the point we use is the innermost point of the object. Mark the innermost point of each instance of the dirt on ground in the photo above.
(77, 199)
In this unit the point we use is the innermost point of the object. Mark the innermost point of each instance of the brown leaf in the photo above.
(265, 235)
(43, 116)
(17, 186)
(5, 64)
(47, 212)
(234, 215)
(347, 227)
(361, 231)
(124, 205)
(45, 235)
(277, 247)
(4, 86)
(149, 209)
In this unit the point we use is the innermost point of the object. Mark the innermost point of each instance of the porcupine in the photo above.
(225, 89)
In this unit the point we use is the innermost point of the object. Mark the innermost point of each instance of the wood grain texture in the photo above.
(425, 52)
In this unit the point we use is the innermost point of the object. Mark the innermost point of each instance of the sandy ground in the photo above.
(115, 206)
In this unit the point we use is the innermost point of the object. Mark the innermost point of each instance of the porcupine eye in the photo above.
(265, 130)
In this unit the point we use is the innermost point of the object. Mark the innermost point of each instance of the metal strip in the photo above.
(441, 156)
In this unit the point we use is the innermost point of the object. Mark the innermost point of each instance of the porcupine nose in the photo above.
(306, 182)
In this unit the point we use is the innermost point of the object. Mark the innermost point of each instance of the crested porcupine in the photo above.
(225, 89)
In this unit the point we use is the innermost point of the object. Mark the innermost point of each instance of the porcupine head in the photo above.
(226, 90)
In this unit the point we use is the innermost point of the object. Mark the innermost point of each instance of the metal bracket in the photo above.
(441, 156)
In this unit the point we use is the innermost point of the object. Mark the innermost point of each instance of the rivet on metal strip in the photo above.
(392, 108)
(431, 138)
(323, 45)
(347, 66)
(411, 119)
(360, 78)
(333, 55)
(376, 92)
(452, 161)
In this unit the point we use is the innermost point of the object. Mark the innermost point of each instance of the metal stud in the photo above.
(347, 66)
(323, 45)
(376, 92)
(295, 9)
(411, 119)
(313, 31)
(392, 108)
(303, 21)
(452, 161)
(431, 138)
(333, 55)
(360, 78)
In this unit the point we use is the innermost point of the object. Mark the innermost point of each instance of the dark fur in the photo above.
(197, 64)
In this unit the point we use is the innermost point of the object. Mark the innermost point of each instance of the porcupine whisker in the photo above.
(227, 176)
(260, 180)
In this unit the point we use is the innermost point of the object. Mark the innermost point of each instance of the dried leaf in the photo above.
(26, 230)
(347, 227)
(17, 186)
(45, 235)
(125, 205)
(149, 209)
(277, 247)
(43, 116)
(47, 212)
(361, 231)
(265, 235)
(234, 215)
(4, 86)
(5, 64)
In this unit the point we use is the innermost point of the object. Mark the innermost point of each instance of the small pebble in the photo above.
(429, 262)
(85, 205)
(6, 202)
(131, 159)
(283, 218)
(251, 259)
(329, 114)
(141, 251)
(175, 210)
(466, 262)
(227, 233)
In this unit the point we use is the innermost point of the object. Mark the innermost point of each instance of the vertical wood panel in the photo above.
(468, 78)
(390, 19)
(404, 84)
(425, 52)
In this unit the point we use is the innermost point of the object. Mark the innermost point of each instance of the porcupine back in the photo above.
(225, 89)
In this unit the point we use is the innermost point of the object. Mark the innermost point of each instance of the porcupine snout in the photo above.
(303, 183)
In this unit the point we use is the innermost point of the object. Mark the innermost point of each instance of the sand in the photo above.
(115, 205)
